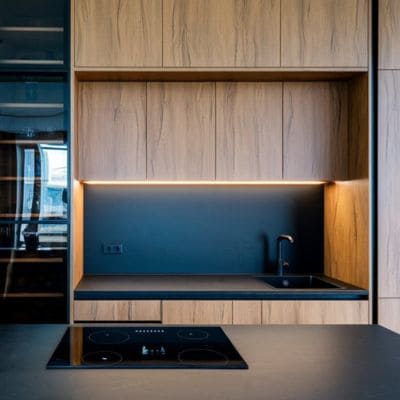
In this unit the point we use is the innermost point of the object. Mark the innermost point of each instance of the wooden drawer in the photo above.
(117, 310)
(247, 312)
(197, 312)
(302, 312)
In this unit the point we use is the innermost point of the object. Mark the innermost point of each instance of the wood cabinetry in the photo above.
(324, 33)
(315, 134)
(249, 131)
(389, 314)
(247, 312)
(388, 184)
(112, 130)
(117, 310)
(389, 33)
(224, 33)
(197, 312)
(181, 131)
(118, 33)
(315, 312)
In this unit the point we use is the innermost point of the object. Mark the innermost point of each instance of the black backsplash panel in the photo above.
(202, 229)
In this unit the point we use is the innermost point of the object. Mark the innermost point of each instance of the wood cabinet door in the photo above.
(181, 131)
(302, 312)
(389, 33)
(197, 312)
(221, 33)
(112, 131)
(324, 33)
(389, 314)
(389, 184)
(315, 131)
(118, 33)
(117, 310)
(249, 131)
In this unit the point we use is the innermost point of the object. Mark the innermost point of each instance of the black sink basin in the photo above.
(299, 282)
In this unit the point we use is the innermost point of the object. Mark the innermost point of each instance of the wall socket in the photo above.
(112, 248)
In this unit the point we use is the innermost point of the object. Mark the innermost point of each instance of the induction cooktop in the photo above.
(146, 347)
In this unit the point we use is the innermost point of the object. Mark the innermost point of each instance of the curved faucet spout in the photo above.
(281, 262)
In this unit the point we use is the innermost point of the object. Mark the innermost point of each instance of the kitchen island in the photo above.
(296, 362)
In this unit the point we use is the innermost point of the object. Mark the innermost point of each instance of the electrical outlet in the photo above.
(113, 248)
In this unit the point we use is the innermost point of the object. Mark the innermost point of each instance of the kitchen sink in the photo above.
(299, 282)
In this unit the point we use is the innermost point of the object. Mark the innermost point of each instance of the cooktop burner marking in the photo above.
(108, 337)
(102, 358)
(193, 334)
(199, 356)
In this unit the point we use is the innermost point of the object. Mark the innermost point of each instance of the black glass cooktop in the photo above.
(146, 347)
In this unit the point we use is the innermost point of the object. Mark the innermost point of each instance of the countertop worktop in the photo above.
(296, 362)
(115, 287)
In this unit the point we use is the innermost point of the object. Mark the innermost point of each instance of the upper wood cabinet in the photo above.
(389, 33)
(222, 33)
(315, 131)
(324, 33)
(249, 131)
(112, 130)
(181, 131)
(118, 33)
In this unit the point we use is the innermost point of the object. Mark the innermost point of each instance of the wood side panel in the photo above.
(145, 310)
(315, 130)
(389, 33)
(315, 312)
(77, 234)
(249, 131)
(358, 160)
(181, 131)
(389, 184)
(346, 227)
(197, 312)
(389, 314)
(324, 33)
(118, 33)
(117, 310)
(247, 312)
(112, 130)
(223, 33)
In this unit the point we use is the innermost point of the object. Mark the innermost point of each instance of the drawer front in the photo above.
(197, 312)
(105, 310)
(315, 312)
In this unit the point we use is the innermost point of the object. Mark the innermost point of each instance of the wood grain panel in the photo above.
(112, 130)
(358, 128)
(247, 312)
(145, 310)
(181, 131)
(77, 233)
(315, 312)
(117, 310)
(389, 33)
(324, 33)
(118, 33)
(223, 33)
(389, 314)
(315, 131)
(249, 131)
(346, 227)
(197, 312)
(101, 310)
(389, 184)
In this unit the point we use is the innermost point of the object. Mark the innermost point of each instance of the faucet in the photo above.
(282, 263)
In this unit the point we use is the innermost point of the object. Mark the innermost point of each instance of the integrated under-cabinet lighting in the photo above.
(230, 183)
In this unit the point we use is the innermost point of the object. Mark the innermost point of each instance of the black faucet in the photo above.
(282, 263)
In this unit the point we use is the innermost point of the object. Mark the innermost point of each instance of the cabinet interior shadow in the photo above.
(202, 229)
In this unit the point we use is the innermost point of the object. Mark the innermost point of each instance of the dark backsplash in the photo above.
(202, 229)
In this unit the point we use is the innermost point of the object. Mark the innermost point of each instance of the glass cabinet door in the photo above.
(32, 33)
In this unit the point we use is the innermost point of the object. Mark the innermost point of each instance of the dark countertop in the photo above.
(296, 362)
(215, 287)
